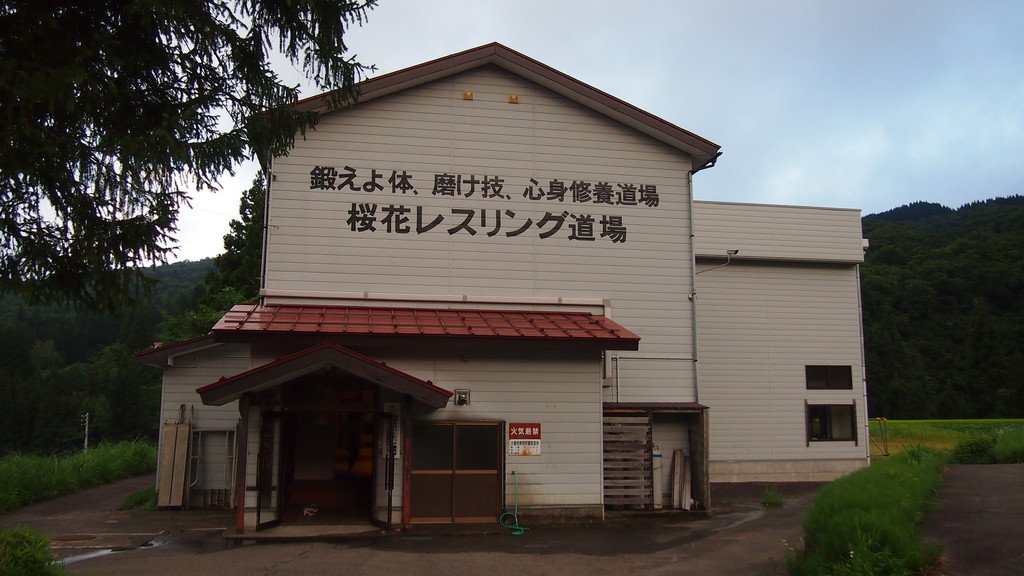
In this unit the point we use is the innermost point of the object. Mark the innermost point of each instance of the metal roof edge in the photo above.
(161, 355)
(699, 148)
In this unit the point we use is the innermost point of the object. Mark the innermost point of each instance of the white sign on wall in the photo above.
(524, 439)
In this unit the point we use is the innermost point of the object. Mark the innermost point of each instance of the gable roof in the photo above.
(164, 354)
(316, 358)
(704, 152)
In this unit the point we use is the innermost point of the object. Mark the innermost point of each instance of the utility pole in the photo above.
(85, 424)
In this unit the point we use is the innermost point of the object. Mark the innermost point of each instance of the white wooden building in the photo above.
(488, 283)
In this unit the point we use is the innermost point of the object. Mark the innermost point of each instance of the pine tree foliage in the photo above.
(112, 110)
(235, 276)
(238, 267)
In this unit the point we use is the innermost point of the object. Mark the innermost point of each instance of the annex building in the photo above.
(488, 283)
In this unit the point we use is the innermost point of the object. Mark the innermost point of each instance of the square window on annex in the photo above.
(487, 280)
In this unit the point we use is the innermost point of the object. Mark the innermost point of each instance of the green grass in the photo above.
(144, 499)
(1009, 448)
(26, 479)
(25, 552)
(772, 497)
(867, 522)
(938, 434)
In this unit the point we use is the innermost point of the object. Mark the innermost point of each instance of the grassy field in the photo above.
(26, 479)
(899, 435)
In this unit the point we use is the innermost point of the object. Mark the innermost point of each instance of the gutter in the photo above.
(693, 275)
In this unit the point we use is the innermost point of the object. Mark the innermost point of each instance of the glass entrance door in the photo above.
(268, 472)
(385, 451)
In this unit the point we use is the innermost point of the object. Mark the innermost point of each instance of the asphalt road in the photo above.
(980, 520)
(979, 525)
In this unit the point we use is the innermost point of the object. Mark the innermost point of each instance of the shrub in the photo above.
(975, 450)
(867, 522)
(1009, 448)
(25, 552)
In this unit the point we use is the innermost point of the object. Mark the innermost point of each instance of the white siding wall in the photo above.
(766, 232)
(432, 130)
(562, 392)
(192, 371)
(760, 324)
(563, 395)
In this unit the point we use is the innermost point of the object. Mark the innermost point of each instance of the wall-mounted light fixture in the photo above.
(728, 258)
(461, 397)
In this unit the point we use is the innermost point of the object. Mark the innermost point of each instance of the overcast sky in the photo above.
(865, 104)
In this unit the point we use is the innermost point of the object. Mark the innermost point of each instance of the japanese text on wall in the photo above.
(524, 439)
(579, 224)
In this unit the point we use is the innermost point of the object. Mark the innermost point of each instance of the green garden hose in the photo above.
(512, 522)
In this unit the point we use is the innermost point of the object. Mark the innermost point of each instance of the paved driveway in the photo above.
(980, 520)
(979, 524)
(740, 538)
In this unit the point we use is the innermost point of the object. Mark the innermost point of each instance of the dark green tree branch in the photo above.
(112, 110)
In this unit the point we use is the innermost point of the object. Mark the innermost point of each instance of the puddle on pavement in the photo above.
(106, 552)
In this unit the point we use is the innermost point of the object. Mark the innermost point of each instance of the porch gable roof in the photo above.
(319, 357)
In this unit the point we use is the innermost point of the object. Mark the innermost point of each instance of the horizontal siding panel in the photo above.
(777, 232)
(564, 396)
(759, 325)
(196, 370)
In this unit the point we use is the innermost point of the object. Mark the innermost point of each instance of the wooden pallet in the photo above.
(627, 462)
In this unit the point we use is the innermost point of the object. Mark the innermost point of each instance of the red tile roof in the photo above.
(368, 321)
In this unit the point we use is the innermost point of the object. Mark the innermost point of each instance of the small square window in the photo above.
(829, 377)
(831, 422)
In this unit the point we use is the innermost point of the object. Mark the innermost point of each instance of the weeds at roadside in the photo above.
(976, 450)
(1009, 448)
(26, 479)
(144, 499)
(772, 498)
(1002, 446)
(867, 522)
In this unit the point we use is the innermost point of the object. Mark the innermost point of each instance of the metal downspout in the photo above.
(693, 272)
(863, 363)
(693, 291)
(266, 230)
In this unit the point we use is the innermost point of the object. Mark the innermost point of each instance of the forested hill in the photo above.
(57, 363)
(77, 335)
(944, 310)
